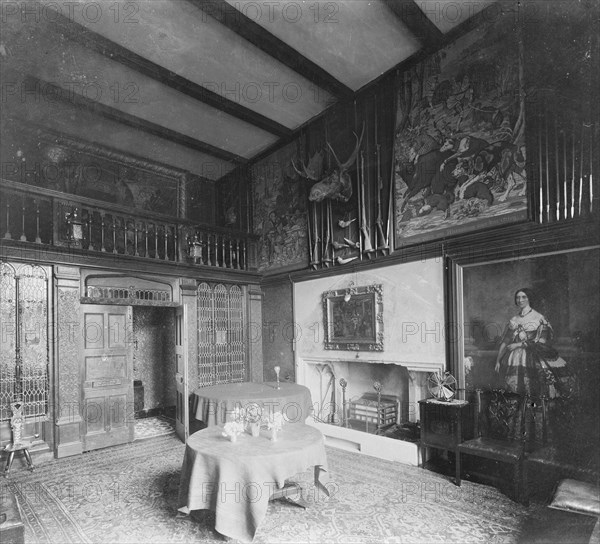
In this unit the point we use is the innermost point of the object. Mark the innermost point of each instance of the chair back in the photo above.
(500, 414)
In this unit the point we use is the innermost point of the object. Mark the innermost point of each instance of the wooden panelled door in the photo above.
(107, 376)
(181, 376)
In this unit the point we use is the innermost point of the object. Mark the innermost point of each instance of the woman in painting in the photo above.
(526, 361)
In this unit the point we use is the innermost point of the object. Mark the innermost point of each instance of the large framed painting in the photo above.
(51, 160)
(529, 325)
(353, 318)
(460, 138)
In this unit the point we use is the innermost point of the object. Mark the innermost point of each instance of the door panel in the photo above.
(107, 376)
(181, 376)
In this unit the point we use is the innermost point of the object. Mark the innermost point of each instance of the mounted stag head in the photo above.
(337, 185)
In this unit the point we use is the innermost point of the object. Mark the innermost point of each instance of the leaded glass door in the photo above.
(24, 351)
(222, 353)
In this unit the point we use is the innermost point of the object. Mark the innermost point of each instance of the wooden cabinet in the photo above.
(444, 425)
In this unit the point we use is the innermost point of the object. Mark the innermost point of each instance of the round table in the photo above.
(213, 403)
(236, 479)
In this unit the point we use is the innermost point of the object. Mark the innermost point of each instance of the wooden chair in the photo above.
(499, 436)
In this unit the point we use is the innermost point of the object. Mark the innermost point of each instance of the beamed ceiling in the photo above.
(212, 81)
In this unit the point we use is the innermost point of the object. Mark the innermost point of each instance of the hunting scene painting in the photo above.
(460, 139)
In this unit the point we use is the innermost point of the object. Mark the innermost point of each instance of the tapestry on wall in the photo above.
(45, 159)
(460, 138)
(279, 199)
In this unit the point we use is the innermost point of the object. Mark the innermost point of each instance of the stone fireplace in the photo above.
(411, 320)
(348, 415)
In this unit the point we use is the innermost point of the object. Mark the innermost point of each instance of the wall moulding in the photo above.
(126, 290)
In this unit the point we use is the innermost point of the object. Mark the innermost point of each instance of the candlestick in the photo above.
(377, 386)
(343, 385)
(277, 369)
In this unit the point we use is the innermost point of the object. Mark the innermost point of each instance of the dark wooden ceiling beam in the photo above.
(254, 33)
(98, 43)
(53, 92)
(417, 22)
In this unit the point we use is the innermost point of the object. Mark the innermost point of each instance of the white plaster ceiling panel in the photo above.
(180, 37)
(447, 14)
(82, 71)
(84, 125)
(355, 40)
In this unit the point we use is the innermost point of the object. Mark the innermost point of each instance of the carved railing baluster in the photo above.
(205, 249)
(215, 250)
(244, 261)
(38, 239)
(90, 220)
(175, 243)
(125, 224)
(7, 234)
(166, 230)
(23, 236)
(156, 256)
(146, 254)
(102, 227)
(114, 229)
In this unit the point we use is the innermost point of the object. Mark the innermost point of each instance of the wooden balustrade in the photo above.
(41, 216)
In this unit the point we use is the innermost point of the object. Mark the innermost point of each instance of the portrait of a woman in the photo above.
(526, 361)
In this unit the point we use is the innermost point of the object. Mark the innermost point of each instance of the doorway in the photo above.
(155, 346)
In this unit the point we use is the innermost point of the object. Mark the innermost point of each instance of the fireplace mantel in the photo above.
(410, 380)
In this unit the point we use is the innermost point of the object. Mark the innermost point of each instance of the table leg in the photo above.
(292, 493)
(318, 484)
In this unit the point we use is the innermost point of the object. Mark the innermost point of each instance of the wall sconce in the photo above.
(195, 248)
(74, 226)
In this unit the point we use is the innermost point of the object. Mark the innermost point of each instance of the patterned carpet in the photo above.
(128, 494)
(149, 427)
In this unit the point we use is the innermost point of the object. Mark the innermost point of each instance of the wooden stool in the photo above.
(12, 449)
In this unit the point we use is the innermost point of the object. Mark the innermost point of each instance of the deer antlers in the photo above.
(314, 169)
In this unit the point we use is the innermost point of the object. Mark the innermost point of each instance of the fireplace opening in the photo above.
(362, 396)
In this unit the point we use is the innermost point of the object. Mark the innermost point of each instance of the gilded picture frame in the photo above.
(353, 318)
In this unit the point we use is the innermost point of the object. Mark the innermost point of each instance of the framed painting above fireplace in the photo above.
(353, 318)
